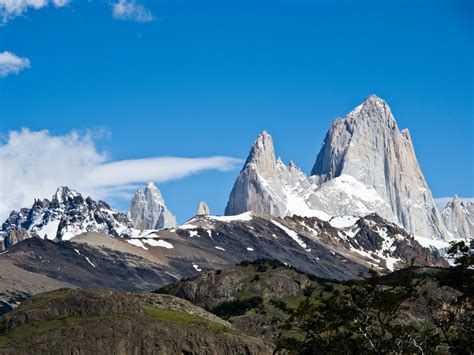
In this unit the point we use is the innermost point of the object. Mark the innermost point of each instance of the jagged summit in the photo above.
(65, 216)
(262, 154)
(458, 217)
(368, 145)
(148, 209)
(203, 209)
(267, 185)
(373, 165)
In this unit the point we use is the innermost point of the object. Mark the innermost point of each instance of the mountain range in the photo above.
(366, 204)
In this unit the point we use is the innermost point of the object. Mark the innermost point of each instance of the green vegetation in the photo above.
(50, 296)
(182, 318)
(399, 313)
(24, 331)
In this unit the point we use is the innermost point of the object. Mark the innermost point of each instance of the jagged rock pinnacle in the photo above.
(368, 145)
(148, 209)
(203, 209)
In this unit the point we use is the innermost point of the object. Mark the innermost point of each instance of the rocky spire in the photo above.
(258, 187)
(458, 218)
(148, 209)
(367, 145)
(203, 209)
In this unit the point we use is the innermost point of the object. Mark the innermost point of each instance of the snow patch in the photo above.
(343, 221)
(292, 234)
(243, 217)
(137, 243)
(89, 261)
(196, 266)
(158, 243)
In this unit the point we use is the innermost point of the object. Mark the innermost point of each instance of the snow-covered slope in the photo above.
(338, 248)
(368, 145)
(459, 218)
(148, 209)
(65, 216)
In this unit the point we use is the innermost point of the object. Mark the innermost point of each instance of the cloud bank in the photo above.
(12, 64)
(130, 10)
(34, 164)
(10, 9)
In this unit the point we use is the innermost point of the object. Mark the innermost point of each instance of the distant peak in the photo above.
(262, 153)
(203, 209)
(151, 185)
(373, 98)
(63, 192)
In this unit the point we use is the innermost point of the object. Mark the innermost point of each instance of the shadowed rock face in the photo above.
(148, 209)
(110, 322)
(459, 218)
(368, 145)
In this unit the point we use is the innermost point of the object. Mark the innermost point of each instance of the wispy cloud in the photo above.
(130, 10)
(34, 164)
(12, 8)
(12, 64)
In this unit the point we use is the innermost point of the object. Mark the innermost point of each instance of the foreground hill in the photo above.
(100, 321)
(259, 307)
(414, 310)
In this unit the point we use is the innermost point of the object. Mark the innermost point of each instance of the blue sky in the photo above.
(203, 78)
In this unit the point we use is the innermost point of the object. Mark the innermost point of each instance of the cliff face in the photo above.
(368, 145)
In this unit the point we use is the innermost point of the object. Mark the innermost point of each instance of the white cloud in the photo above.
(12, 64)
(34, 164)
(13, 8)
(130, 10)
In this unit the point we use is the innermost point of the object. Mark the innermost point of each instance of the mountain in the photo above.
(148, 209)
(366, 165)
(65, 216)
(203, 209)
(368, 145)
(267, 185)
(458, 218)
